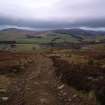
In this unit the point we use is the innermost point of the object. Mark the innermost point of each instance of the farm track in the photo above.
(39, 85)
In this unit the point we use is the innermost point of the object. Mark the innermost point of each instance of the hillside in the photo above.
(14, 34)
(55, 36)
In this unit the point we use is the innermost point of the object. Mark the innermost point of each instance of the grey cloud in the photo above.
(53, 13)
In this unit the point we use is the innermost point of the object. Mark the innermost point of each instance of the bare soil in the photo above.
(32, 80)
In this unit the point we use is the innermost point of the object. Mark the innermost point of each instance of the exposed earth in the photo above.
(31, 79)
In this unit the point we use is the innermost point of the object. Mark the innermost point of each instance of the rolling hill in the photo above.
(55, 36)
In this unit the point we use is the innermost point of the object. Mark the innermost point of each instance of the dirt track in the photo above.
(38, 85)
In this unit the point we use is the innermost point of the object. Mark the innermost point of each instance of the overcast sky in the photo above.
(53, 13)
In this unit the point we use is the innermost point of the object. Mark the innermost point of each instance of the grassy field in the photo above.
(48, 37)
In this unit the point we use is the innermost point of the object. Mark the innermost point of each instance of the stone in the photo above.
(61, 87)
(4, 98)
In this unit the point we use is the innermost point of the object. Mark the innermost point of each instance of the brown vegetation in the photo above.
(53, 77)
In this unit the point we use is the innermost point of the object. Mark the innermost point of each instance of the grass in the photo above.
(11, 36)
(26, 47)
(20, 47)
(47, 37)
(4, 82)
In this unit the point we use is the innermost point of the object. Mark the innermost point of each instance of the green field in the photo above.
(47, 37)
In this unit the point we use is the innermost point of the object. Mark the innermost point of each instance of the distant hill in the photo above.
(79, 32)
(12, 30)
(14, 34)
(57, 36)
(22, 31)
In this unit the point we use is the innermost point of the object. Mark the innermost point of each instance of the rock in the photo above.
(36, 83)
(74, 96)
(61, 91)
(43, 101)
(90, 78)
(3, 90)
(4, 98)
(69, 99)
(101, 77)
(61, 87)
(64, 93)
